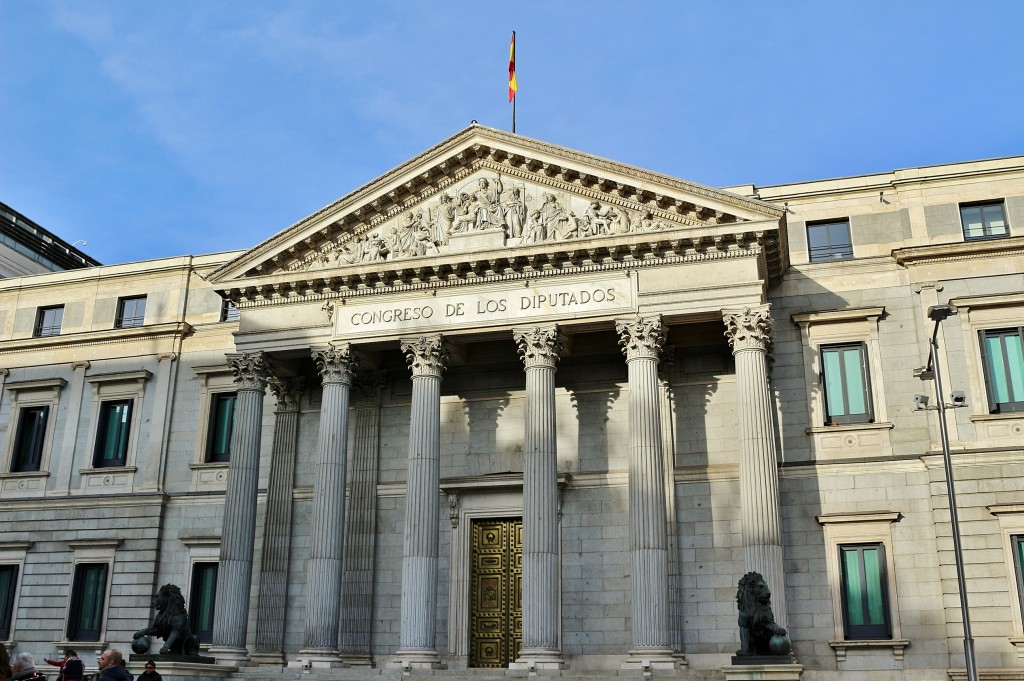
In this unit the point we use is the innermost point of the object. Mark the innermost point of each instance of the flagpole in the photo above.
(512, 83)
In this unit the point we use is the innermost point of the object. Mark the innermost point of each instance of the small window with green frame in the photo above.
(221, 426)
(30, 438)
(112, 433)
(88, 601)
(847, 385)
(203, 600)
(1002, 354)
(865, 592)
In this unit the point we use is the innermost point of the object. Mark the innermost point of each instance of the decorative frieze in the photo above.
(749, 328)
(641, 337)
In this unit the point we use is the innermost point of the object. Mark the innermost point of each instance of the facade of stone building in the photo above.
(512, 405)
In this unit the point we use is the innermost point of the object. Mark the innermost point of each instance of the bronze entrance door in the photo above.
(496, 601)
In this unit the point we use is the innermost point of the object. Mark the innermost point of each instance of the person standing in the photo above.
(5, 663)
(111, 667)
(151, 674)
(24, 668)
(71, 667)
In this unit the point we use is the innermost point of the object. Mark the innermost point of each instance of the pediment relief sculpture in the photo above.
(491, 210)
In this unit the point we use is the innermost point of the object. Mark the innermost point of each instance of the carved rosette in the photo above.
(250, 370)
(288, 392)
(336, 363)
(749, 329)
(427, 355)
(641, 337)
(540, 346)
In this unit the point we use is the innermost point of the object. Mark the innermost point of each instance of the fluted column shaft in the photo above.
(641, 341)
(238, 535)
(336, 364)
(427, 358)
(273, 594)
(749, 333)
(361, 522)
(540, 349)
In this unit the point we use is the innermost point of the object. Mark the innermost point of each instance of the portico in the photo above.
(533, 322)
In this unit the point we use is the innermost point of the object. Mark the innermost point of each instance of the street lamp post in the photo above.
(938, 313)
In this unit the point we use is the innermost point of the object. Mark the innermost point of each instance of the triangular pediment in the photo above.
(484, 199)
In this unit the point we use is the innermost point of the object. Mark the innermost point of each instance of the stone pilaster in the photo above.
(156, 448)
(273, 593)
(539, 348)
(336, 364)
(749, 333)
(66, 462)
(361, 522)
(641, 339)
(238, 535)
(428, 357)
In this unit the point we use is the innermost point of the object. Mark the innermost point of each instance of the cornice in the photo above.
(307, 287)
(961, 250)
(170, 330)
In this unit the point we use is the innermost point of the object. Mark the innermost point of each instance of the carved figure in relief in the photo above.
(534, 226)
(515, 214)
(597, 218)
(489, 203)
(553, 217)
(444, 219)
(466, 213)
(425, 243)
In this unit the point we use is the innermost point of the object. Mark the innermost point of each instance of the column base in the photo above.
(268, 659)
(317, 658)
(538, 658)
(232, 655)
(765, 672)
(651, 658)
(357, 659)
(416, 659)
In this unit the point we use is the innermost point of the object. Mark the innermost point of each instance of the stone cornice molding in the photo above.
(170, 330)
(641, 337)
(749, 329)
(251, 370)
(426, 355)
(40, 384)
(287, 392)
(539, 346)
(959, 250)
(830, 316)
(336, 362)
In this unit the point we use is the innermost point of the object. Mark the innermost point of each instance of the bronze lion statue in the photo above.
(171, 623)
(757, 623)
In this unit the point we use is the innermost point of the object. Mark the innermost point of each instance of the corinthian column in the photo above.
(749, 334)
(641, 340)
(239, 532)
(427, 358)
(336, 364)
(273, 594)
(540, 349)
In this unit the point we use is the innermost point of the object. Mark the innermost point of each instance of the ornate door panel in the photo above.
(496, 602)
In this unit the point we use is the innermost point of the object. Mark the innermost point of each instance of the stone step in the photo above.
(373, 674)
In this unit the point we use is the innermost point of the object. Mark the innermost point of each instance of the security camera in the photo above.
(920, 402)
(959, 398)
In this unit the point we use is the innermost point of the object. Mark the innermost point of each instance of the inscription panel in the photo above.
(516, 305)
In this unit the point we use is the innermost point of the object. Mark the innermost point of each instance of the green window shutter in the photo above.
(865, 592)
(222, 421)
(8, 583)
(847, 388)
(28, 443)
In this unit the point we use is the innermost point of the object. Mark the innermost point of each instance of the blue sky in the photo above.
(152, 129)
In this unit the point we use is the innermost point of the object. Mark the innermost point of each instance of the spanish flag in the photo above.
(513, 86)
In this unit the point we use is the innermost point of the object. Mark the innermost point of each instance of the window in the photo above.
(829, 241)
(8, 588)
(202, 600)
(984, 220)
(88, 598)
(29, 439)
(48, 321)
(865, 595)
(845, 377)
(228, 311)
(1017, 542)
(130, 312)
(112, 434)
(1003, 357)
(222, 421)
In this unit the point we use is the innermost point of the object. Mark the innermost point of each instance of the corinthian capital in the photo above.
(540, 346)
(641, 337)
(427, 355)
(336, 363)
(749, 328)
(288, 392)
(250, 370)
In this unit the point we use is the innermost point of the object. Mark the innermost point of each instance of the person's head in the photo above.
(23, 661)
(69, 653)
(150, 667)
(483, 183)
(110, 657)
